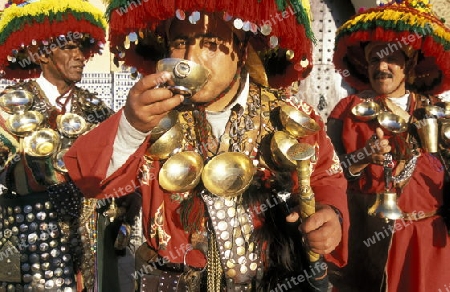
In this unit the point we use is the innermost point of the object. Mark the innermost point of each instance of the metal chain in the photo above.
(407, 172)
(214, 269)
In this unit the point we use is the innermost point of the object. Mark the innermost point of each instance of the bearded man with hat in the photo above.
(48, 233)
(394, 157)
(220, 195)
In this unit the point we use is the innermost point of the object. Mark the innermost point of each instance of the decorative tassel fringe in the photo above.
(192, 212)
(125, 18)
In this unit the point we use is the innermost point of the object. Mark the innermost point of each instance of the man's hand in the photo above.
(373, 153)
(322, 230)
(378, 148)
(147, 104)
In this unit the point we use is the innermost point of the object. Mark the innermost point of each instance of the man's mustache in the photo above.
(381, 74)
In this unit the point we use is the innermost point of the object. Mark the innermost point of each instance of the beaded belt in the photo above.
(419, 215)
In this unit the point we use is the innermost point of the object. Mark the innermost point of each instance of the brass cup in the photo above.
(392, 123)
(279, 145)
(90, 103)
(164, 125)
(228, 174)
(16, 101)
(58, 162)
(42, 143)
(169, 143)
(386, 207)
(71, 125)
(181, 172)
(366, 110)
(296, 122)
(25, 123)
(445, 105)
(187, 77)
(428, 130)
(445, 131)
(435, 111)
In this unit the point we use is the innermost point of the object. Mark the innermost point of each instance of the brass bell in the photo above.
(386, 207)
(428, 130)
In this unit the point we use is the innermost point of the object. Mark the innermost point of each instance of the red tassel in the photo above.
(192, 212)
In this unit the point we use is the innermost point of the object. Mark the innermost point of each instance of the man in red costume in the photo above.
(238, 227)
(48, 43)
(394, 174)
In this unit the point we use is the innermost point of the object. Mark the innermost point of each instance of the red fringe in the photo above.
(290, 34)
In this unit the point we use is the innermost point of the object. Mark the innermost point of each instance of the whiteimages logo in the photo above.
(397, 226)
(59, 42)
(356, 157)
(121, 10)
(391, 47)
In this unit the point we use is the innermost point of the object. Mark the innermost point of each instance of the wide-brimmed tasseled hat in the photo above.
(46, 24)
(407, 25)
(279, 33)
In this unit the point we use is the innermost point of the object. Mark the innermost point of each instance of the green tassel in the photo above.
(303, 18)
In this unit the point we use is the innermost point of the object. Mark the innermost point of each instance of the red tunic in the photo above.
(88, 165)
(419, 254)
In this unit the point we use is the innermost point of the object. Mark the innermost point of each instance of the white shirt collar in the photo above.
(218, 120)
(401, 101)
(50, 90)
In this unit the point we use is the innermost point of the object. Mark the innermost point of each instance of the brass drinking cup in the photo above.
(392, 122)
(188, 77)
(279, 144)
(164, 125)
(166, 138)
(71, 125)
(296, 122)
(16, 101)
(169, 143)
(228, 174)
(24, 123)
(366, 110)
(445, 131)
(445, 105)
(58, 162)
(428, 130)
(181, 172)
(434, 111)
(42, 143)
(90, 103)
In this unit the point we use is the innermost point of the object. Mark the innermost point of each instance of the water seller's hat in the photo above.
(38, 26)
(407, 25)
(279, 33)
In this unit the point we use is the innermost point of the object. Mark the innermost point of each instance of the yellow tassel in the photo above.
(307, 6)
(40, 8)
